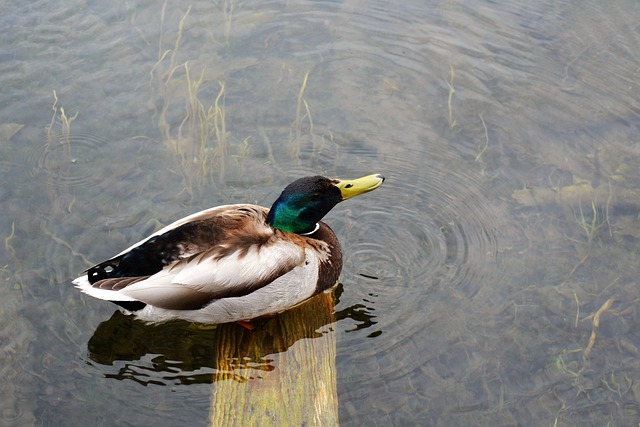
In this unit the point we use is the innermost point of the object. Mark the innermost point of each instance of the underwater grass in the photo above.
(481, 150)
(65, 128)
(195, 130)
(228, 7)
(452, 121)
(200, 141)
(592, 225)
(303, 114)
(595, 324)
(203, 124)
(8, 242)
(56, 194)
(297, 124)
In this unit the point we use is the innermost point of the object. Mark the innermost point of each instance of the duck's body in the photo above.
(233, 262)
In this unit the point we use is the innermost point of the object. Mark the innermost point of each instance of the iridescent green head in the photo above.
(307, 200)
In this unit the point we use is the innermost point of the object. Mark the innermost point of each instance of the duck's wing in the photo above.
(193, 282)
(219, 253)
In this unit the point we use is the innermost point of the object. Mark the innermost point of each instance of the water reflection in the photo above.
(185, 353)
(360, 313)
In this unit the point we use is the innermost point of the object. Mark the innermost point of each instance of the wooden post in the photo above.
(281, 373)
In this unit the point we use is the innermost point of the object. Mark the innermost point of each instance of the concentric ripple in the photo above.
(431, 244)
(68, 160)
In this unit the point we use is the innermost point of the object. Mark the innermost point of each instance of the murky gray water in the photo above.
(490, 281)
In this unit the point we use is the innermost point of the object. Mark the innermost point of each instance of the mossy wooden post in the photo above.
(281, 373)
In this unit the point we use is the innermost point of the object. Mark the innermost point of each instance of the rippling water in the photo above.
(490, 281)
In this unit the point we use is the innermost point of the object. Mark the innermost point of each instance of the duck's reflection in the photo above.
(186, 353)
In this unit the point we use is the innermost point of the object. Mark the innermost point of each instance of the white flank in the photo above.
(229, 273)
(281, 294)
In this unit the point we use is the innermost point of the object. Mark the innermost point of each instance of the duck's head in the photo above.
(307, 200)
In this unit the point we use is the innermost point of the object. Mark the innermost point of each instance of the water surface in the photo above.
(490, 281)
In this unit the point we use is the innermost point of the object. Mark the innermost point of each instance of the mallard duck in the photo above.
(232, 263)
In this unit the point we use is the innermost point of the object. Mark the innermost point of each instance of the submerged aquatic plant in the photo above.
(594, 223)
(192, 119)
(296, 138)
(65, 128)
(201, 126)
(8, 242)
(299, 117)
(452, 121)
(56, 140)
(200, 140)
